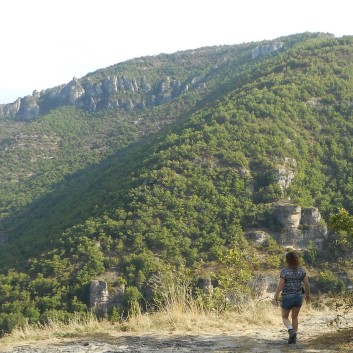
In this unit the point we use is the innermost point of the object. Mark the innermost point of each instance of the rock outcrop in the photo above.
(296, 227)
(121, 93)
(257, 236)
(266, 49)
(264, 285)
(27, 108)
(288, 215)
(101, 300)
(301, 225)
(286, 172)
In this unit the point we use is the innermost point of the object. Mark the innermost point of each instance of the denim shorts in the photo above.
(290, 302)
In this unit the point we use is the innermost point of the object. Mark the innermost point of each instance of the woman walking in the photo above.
(292, 279)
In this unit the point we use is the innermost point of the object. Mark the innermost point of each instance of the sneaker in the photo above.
(292, 336)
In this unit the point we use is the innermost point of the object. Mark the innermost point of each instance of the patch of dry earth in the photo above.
(312, 338)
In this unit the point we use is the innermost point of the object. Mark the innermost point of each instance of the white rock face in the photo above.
(99, 294)
(265, 50)
(288, 215)
(110, 85)
(301, 225)
(286, 172)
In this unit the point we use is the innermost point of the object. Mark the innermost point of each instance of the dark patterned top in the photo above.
(293, 281)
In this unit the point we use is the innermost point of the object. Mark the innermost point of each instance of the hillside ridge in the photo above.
(118, 88)
(173, 192)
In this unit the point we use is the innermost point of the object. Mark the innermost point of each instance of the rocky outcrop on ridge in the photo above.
(266, 49)
(114, 92)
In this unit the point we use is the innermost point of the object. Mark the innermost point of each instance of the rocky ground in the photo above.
(315, 336)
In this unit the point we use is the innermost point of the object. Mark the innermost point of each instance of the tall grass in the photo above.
(176, 317)
(179, 316)
(176, 311)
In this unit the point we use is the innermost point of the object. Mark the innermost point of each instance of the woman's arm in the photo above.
(307, 288)
(279, 288)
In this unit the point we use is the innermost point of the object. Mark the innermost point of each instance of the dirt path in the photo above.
(313, 337)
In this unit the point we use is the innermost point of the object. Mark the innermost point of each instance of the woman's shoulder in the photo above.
(284, 270)
(293, 269)
(302, 269)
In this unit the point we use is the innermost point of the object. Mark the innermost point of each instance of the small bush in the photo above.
(131, 299)
(310, 254)
(330, 283)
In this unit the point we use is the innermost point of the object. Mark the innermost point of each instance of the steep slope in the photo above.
(266, 128)
(69, 138)
(41, 151)
(264, 116)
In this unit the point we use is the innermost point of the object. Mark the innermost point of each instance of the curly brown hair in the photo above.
(292, 259)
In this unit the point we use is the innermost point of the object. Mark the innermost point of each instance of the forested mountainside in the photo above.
(164, 162)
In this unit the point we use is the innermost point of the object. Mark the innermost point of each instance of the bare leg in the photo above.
(292, 326)
(295, 322)
(285, 317)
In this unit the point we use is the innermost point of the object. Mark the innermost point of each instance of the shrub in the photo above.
(131, 299)
(9, 321)
(310, 254)
(329, 282)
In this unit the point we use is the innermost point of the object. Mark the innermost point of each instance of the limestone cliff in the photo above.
(301, 225)
(297, 226)
(122, 93)
(265, 50)
(101, 300)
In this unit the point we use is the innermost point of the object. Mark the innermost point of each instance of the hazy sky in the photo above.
(45, 43)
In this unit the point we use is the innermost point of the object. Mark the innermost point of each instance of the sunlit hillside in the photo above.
(164, 165)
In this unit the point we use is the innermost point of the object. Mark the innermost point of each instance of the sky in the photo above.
(45, 43)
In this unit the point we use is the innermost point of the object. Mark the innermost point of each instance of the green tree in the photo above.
(238, 265)
(341, 225)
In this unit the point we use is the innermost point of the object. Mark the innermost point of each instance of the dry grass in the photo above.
(54, 329)
(339, 341)
(177, 317)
